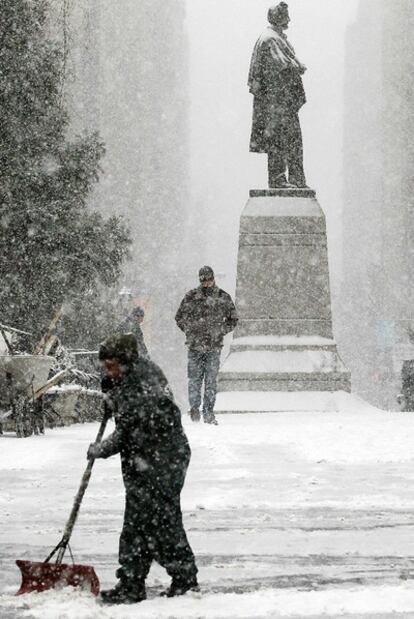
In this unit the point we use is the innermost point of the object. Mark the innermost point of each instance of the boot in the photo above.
(124, 593)
(278, 180)
(180, 587)
(297, 176)
(280, 183)
(209, 417)
(194, 414)
(298, 183)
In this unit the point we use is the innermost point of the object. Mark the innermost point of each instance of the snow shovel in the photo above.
(40, 576)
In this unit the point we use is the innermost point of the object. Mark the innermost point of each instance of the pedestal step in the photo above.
(278, 364)
(240, 402)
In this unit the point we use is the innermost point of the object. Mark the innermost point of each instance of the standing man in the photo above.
(132, 324)
(154, 458)
(275, 80)
(206, 315)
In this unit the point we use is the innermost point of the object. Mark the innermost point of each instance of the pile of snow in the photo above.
(282, 340)
(258, 605)
(282, 362)
(273, 401)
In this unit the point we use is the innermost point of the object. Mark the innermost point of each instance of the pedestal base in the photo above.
(283, 342)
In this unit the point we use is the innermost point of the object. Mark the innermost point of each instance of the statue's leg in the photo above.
(276, 166)
(279, 147)
(295, 152)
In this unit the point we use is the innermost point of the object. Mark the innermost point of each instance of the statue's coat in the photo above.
(276, 84)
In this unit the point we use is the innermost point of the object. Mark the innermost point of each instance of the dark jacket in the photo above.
(148, 435)
(130, 325)
(206, 315)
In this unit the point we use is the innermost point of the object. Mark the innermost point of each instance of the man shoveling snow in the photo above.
(154, 456)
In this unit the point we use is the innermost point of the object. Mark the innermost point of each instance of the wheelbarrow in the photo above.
(23, 379)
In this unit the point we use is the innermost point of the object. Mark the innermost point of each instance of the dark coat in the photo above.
(130, 325)
(276, 83)
(206, 315)
(149, 434)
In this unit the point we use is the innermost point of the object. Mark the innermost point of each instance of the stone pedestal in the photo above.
(283, 355)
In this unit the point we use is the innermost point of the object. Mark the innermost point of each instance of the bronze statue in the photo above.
(276, 84)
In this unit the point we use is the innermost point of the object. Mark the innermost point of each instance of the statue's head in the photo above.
(278, 15)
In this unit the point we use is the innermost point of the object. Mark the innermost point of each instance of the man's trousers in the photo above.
(153, 530)
(203, 366)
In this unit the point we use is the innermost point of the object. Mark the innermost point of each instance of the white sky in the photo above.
(222, 34)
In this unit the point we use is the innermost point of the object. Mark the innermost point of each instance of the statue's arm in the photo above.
(283, 59)
(278, 60)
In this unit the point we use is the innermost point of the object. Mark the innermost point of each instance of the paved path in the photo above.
(264, 551)
(240, 549)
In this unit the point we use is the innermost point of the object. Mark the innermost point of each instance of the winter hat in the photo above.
(205, 273)
(121, 346)
(275, 12)
(138, 311)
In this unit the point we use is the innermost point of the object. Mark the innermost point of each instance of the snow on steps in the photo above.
(283, 401)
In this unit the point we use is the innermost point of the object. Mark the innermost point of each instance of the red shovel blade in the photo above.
(43, 576)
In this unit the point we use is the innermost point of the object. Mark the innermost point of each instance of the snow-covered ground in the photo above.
(289, 514)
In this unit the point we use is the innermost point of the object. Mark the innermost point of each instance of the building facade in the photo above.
(377, 298)
(126, 76)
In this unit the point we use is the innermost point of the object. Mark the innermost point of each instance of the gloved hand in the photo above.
(93, 451)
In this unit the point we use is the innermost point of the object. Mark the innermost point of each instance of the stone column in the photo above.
(283, 356)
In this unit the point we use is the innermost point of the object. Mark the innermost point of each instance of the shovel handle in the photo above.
(61, 547)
